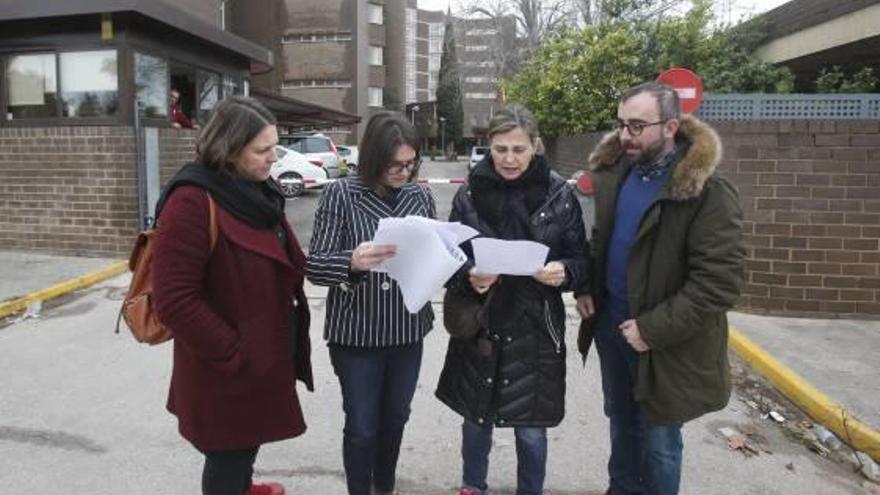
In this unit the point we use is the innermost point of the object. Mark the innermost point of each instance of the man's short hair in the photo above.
(667, 99)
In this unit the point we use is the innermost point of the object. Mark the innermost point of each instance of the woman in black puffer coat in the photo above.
(512, 373)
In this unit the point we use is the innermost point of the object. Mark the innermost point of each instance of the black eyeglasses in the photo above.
(396, 167)
(636, 128)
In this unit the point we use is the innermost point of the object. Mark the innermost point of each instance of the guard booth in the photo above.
(86, 138)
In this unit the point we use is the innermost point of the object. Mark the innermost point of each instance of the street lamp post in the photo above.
(443, 134)
(414, 109)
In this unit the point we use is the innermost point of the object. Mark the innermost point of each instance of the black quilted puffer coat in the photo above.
(513, 372)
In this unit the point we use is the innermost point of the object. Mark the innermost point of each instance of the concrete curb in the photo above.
(816, 404)
(21, 303)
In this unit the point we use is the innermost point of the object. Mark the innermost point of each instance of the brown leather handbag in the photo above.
(463, 314)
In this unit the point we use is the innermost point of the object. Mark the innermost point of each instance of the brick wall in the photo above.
(810, 191)
(68, 190)
(177, 147)
(73, 190)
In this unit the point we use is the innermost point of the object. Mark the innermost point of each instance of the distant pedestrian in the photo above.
(177, 116)
(512, 372)
(375, 343)
(236, 309)
(668, 265)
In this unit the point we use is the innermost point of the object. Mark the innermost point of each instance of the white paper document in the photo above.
(427, 255)
(508, 257)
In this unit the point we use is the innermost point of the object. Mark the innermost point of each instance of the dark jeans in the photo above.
(531, 457)
(377, 388)
(228, 472)
(645, 458)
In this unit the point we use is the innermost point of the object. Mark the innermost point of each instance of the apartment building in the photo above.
(484, 48)
(344, 54)
(424, 41)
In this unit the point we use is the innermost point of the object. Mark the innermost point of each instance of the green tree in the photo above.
(449, 90)
(573, 81)
(835, 81)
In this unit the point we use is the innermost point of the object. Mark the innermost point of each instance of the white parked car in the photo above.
(477, 154)
(318, 148)
(291, 168)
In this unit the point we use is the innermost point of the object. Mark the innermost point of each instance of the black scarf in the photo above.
(506, 205)
(258, 204)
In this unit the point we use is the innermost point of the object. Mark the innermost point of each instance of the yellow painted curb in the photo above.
(16, 305)
(815, 403)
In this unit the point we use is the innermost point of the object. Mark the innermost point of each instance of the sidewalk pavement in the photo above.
(102, 379)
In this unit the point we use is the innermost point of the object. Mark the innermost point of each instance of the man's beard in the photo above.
(647, 155)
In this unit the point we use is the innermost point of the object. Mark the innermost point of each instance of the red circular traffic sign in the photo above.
(688, 85)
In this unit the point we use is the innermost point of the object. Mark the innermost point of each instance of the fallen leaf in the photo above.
(790, 466)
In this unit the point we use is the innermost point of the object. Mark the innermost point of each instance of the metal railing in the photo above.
(862, 106)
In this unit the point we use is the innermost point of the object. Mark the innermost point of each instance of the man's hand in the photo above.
(481, 282)
(553, 274)
(368, 255)
(630, 331)
(585, 307)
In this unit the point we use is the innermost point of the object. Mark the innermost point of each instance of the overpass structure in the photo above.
(806, 35)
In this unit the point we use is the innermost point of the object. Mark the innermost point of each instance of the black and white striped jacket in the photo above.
(363, 309)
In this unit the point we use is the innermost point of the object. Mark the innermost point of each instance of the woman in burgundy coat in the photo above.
(236, 309)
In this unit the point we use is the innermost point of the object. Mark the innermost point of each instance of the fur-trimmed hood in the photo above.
(692, 171)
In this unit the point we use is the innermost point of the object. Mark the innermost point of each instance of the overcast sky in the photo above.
(738, 8)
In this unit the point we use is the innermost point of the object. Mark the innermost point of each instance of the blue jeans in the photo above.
(531, 457)
(645, 458)
(377, 389)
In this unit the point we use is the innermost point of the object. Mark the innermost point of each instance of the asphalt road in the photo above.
(82, 412)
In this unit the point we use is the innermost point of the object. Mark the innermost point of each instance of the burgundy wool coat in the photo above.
(234, 375)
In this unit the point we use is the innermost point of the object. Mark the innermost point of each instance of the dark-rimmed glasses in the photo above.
(636, 128)
(395, 167)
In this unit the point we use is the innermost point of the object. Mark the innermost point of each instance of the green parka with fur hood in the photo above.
(685, 271)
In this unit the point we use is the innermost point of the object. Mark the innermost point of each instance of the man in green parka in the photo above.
(668, 256)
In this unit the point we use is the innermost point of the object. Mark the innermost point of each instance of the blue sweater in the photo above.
(633, 200)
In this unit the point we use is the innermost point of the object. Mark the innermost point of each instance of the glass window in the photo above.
(230, 86)
(32, 86)
(151, 84)
(375, 13)
(280, 152)
(89, 84)
(375, 55)
(209, 93)
(318, 145)
(374, 97)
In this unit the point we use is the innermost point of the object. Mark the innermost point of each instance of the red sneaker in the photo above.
(266, 489)
(467, 491)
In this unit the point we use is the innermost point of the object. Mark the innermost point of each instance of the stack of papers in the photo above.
(428, 254)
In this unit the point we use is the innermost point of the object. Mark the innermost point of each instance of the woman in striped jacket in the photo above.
(375, 343)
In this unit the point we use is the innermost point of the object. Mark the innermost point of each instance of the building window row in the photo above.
(375, 55)
(481, 32)
(316, 37)
(480, 79)
(484, 63)
(316, 83)
(480, 96)
(375, 96)
(375, 14)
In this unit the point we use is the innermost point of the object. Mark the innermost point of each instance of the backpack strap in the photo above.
(213, 229)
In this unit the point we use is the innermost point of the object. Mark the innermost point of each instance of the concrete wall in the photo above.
(810, 191)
